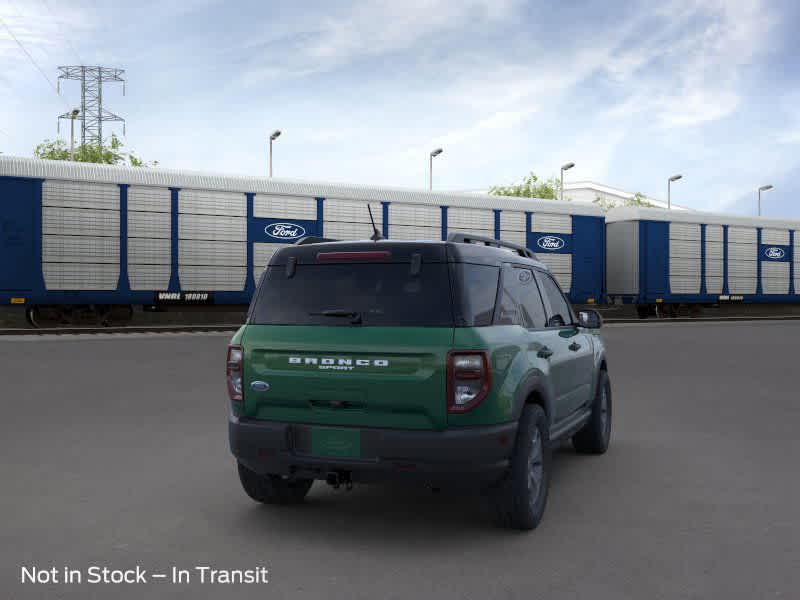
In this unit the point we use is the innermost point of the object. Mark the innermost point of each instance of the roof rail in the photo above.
(313, 239)
(468, 238)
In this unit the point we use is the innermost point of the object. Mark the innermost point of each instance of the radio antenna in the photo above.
(376, 234)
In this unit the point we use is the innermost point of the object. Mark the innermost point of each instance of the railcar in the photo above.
(663, 260)
(87, 241)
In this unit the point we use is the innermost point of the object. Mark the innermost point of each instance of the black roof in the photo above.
(401, 251)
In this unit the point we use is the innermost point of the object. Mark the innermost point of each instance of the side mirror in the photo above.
(590, 319)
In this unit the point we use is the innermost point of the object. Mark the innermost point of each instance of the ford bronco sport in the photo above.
(445, 363)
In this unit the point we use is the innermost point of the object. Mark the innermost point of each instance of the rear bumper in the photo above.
(467, 456)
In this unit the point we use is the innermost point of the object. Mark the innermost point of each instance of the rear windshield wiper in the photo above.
(355, 317)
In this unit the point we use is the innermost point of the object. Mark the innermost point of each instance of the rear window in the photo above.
(355, 295)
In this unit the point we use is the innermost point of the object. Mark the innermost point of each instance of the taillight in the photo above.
(234, 373)
(468, 379)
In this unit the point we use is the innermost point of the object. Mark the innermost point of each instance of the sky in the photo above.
(630, 91)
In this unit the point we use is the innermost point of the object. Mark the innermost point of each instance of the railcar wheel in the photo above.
(32, 316)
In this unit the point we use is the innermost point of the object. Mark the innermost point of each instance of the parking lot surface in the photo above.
(114, 453)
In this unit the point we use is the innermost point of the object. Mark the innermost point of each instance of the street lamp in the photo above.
(763, 188)
(566, 167)
(436, 152)
(72, 116)
(669, 183)
(275, 135)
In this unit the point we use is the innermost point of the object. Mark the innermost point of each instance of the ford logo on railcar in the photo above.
(285, 231)
(550, 242)
(776, 253)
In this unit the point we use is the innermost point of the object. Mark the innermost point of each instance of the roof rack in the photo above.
(468, 238)
(313, 239)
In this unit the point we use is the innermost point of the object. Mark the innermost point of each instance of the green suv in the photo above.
(442, 363)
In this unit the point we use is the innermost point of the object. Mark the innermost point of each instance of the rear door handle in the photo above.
(574, 346)
(544, 352)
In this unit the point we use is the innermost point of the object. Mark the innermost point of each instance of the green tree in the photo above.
(111, 154)
(638, 199)
(530, 187)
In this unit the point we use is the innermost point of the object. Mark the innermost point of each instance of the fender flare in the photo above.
(532, 382)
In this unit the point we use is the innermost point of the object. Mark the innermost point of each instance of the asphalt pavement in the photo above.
(113, 453)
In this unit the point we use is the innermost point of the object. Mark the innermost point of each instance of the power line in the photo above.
(66, 31)
(28, 54)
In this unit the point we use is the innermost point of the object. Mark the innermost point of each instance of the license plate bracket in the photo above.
(332, 442)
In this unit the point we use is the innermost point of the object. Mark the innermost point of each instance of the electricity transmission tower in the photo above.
(92, 114)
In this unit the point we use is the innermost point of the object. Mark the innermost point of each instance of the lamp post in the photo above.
(763, 188)
(275, 135)
(566, 167)
(436, 152)
(669, 183)
(72, 115)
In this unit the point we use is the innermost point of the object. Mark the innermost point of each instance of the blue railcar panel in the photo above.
(18, 241)
(588, 258)
(174, 278)
(775, 252)
(279, 231)
(653, 260)
(123, 285)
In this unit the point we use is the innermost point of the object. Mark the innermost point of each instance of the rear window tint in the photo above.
(374, 294)
(478, 290)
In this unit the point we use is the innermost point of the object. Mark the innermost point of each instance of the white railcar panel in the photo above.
(684, 266)
(414, 232)
(285, 207)
(202, 252)
(742, 235)
(149, 251)
(149, 225)
(714, 250)
(149, 277)
(512, 220)
(352, 211)
(515, 237)
(348, 231)
(80, 276)
(714, 285)
(742, 268)
(679, 248)
(149, 199)
(214, 228)
(414, 214)
(551, 223)
(80, 249)
(713, 233)
(714, 267)
(204, 202)
(775, 277)
(79, 221)
(80, 194)
(684, 231)
(204, 278)
(775, 236)
(747, 252)
(742, 285)
(684, 284)
(463, 219)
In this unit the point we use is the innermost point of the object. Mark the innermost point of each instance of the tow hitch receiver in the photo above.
(336, 479)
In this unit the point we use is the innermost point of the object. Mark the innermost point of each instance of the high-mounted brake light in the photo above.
(234, 373)
(366, 255)
(469, 379)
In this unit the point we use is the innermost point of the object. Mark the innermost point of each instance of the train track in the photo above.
(231, 328)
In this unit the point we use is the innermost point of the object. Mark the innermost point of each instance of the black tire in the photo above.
(519, 500)
(273, 489)
(596, 434)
